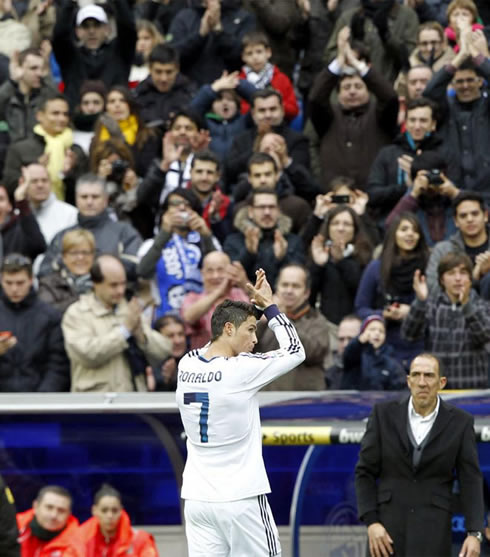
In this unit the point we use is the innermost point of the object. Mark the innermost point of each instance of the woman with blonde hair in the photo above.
(71, 279)
(148, 37)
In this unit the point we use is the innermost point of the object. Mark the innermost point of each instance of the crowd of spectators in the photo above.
(155, 154)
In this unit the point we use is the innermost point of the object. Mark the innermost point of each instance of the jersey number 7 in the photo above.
(203, 399)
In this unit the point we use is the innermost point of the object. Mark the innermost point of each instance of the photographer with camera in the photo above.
(390, 175)
(429, 198)
(113, 161)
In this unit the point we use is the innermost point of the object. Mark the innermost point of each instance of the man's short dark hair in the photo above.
(253, 38)
(168, 319)
(192, 115)
(429, 356)
(304, 268)
(452, 260)
(468, 196)
(164, 54)
(260, 158)
(230, 312)
(45, 99)
(423, 102)
(467, 64)
(31, 51)
(263, 190)
(340, 182)
(265, 94)
(91, 178)
(428, 160)
(56, 489)
(206, 155)
(16, 263)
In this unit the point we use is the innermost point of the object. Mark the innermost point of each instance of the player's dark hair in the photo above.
(230, 312)
(107, 490)
(56, 489)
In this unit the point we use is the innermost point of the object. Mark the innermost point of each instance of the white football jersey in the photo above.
(220, 412)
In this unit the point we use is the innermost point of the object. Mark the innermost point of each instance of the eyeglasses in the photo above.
(468, 80)
(432, 44)
(177, 202)
(78, 253)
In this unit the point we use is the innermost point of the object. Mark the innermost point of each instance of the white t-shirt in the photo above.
(220, 412)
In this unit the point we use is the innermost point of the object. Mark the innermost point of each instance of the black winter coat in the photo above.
(38, 362)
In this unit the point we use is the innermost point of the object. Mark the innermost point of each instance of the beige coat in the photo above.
(95, 345)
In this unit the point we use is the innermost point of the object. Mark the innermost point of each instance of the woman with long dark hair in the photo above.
(339, 253)
(386, 285)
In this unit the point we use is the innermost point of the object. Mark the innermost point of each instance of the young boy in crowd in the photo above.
(256, 53)
(368, 361)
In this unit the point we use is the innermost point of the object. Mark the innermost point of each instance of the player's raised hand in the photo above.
(261, 293)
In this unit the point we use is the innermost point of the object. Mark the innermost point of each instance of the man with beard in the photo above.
(390, 174)
(216, 206)
(386, 28)
(429, 197)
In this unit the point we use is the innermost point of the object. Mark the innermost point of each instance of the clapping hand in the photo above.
(420, 286)
(261, 293)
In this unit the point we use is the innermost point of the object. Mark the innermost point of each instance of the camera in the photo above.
(340, 199)
(118, 171)
(434, 177)
(390, 300)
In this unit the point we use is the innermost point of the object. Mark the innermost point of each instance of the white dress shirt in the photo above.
(421, 425)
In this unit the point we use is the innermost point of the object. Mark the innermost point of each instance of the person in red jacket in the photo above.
(109, 531)
(49, 528)
(256, 53)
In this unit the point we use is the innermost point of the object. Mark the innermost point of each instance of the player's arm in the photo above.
(264, 368)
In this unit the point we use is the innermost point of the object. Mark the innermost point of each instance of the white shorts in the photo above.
(243, 528)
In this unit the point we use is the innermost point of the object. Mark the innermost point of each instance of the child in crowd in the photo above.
(256, 53)
(462, 15)
(368, 361)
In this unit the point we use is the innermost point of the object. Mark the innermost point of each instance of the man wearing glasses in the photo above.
(466, 116)
(264, 240)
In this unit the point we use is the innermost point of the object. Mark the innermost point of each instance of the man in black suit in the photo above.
(411, 453)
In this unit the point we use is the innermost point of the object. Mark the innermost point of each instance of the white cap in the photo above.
(92, 11)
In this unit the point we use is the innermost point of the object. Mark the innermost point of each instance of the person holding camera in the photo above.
(340, 251)
(386, 286)
(430, 197)
(390, 176)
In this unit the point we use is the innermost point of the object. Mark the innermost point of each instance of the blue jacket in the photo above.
(368, 369)
(223, 131)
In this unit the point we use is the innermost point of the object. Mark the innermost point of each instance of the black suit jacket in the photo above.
(414, 504)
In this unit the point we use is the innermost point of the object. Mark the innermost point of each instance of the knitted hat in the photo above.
(370, 319)
(93, 86)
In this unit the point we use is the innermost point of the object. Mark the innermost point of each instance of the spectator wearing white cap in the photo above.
(95, 56)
